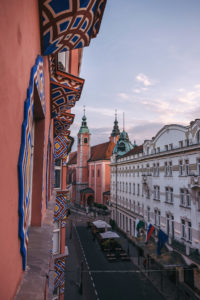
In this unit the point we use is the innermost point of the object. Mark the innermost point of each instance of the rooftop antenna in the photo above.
(84, 110)
(123, 122)
(115, 114)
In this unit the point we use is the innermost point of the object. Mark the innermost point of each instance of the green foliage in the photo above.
(98, 205)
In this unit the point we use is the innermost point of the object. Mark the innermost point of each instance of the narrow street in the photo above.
(101, 279)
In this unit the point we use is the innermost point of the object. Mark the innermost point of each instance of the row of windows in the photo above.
(186, 226)
(184, 169)
(181, 144)
(185, 197)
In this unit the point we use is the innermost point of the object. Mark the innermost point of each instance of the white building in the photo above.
(159, 182)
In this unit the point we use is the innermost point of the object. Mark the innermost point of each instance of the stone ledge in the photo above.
(38, 279)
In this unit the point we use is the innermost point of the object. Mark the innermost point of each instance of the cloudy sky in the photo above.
(145, 62)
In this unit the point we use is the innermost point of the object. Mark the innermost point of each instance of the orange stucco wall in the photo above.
(99, 183)
(20, 45)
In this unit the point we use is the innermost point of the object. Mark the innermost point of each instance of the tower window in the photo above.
(85, 140)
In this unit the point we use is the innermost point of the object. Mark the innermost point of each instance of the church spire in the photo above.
(115, 131)
(84, 127)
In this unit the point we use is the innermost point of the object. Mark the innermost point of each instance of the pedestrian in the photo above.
(145, 263)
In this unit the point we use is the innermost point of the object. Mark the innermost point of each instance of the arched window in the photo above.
(198, 137)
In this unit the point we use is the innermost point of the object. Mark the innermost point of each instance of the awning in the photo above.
(107, 193)
(65, 89)
(87, 191)
(101, 224)
(67, 25)
(109, 235)
(62, 146)
(62, 123)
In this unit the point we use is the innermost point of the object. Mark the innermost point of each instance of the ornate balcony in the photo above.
(67, 25)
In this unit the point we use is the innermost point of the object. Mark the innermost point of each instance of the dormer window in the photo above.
(198, 137)
(121, 147)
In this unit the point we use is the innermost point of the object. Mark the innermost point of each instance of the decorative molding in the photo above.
(69, 24)
(25, 161)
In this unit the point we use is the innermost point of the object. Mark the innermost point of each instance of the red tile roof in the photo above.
(98, 152)
(102, 151)
(135, 150)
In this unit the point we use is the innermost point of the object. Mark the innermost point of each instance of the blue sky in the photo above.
(145, 62)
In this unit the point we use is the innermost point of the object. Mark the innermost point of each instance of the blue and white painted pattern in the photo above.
(25, 161)
(69, 24)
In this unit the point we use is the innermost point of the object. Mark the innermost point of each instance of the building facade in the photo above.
(88, 168)
(39, 86)
(159, 183)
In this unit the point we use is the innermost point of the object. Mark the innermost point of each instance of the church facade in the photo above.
(88, 168)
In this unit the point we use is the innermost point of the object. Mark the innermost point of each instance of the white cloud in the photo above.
(124, 96)
(197, 86)
(142, 78)
(136, 91)
(180, 90)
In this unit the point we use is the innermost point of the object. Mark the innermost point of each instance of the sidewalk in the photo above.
(161, 283)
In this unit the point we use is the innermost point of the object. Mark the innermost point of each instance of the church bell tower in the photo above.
(83, 154)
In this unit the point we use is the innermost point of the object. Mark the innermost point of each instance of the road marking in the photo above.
(92, 280)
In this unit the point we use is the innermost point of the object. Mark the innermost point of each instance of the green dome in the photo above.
(123, 145)
(84, 127)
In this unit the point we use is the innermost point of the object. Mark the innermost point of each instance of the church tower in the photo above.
(115, 132)
(83, 154)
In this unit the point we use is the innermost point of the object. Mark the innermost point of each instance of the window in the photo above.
(187, 167)
(158, 149)
(166, 169)
(158, 169)
(148, 214)
(171, 195)
(198, 166)
(157, 217)
(181, 144)
(188, 199)
(168, 224)
(198, 201)
(56, 238)
(185, 199)
(148, 193)
(166, 147)
(180, 168)
(138, 189)
(170, 168)
(183, 233)
(189, 232)
(138, 171)
(182, 197)
(85, 140)
(154, 170)
(138, 208)
(98, 173)
(129, 188)
(156, 192)
(126, 187)
(198, 137)
(171, 146)
(166, 194)
(133, 205)
(187, 143)
(148, 169)
(133, 188)
(123, 187)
